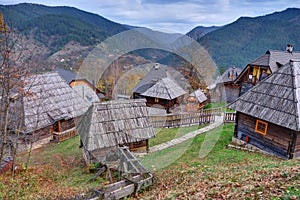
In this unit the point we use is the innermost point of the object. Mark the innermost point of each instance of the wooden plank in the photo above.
(120, 193)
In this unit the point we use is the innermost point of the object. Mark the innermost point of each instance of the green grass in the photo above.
(166, 134)
(180, 170)
(218, 105)
(237, 174)
(215, 105)
(190, 150)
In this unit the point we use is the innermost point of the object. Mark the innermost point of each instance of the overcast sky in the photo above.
(172, 15)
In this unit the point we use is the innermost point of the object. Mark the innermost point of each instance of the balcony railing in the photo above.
(64, 135)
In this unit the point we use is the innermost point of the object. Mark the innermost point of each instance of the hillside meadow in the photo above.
(58, 172)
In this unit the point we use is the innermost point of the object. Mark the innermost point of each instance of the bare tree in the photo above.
(13, 66)
(201, 69)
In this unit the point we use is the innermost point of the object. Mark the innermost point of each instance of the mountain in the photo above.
(199, 31)
(63, 36)
(242, 41)
(56, 26)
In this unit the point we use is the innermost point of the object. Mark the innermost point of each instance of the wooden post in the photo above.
(147, 145)
(291, 147)
(236, 125)
(58, 126)
(108, 174)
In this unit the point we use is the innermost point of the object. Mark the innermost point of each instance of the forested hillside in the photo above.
(56, 26)
(240, 42)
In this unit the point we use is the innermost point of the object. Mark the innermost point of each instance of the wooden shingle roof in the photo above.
(113, 123)
(48, 98)
(276, 99)
(69, 75)
(157, 73)
(166, 88)
(272, 59)
(229, 75)
(275, 59)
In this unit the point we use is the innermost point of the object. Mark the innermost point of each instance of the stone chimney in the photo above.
(289, 48)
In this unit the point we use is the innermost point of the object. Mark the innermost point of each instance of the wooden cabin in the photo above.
(225, 89)
(158, 87)
(73, 79)
(263, 66)
(196, 101)
(50, 108)
(268, 114)
(107, 125)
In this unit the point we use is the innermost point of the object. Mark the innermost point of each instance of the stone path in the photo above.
(218, 122)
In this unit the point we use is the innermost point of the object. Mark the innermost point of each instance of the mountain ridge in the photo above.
(240, 42)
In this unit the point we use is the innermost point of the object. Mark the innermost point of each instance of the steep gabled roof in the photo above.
(48, 98)
(272, 59)
(276, 99)
(229, 75)
(113, 123)
(280, 58)
(68, 75)
(157, 73)
(262, 60)
(166, 88)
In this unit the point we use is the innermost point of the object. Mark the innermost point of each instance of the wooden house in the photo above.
(225, 89)
(73, 79)
(158, 87)
(268, 114)
(107, 125)
(263, 66)
(47, 109)
(196, 101)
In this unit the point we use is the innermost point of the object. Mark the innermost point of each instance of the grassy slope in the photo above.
(223, 174)
(59, 171)
(165, 134)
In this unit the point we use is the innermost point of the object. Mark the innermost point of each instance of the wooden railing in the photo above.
(61, 136)
(229, 117)
(185, 119)
(191, 118)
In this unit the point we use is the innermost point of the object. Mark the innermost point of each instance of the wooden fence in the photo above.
(185, 119)
(61, 136)
(229, 117)
(191, 118)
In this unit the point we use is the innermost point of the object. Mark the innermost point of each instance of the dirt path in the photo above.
(218, 122)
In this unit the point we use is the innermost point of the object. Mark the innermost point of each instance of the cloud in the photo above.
(173, 15)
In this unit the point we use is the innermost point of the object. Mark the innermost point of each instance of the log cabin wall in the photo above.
(277, 140)
(67, 124)
(297, 145)
(141, 146)
(232, 93)
(39, 134)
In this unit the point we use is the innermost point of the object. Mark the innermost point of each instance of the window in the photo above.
(156, 100)
(261, 127)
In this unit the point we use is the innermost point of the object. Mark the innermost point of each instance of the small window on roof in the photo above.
(261, 127)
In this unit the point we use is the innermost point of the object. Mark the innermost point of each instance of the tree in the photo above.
(13, 65)
(222, 70)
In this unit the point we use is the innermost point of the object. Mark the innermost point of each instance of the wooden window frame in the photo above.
(259, 131)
